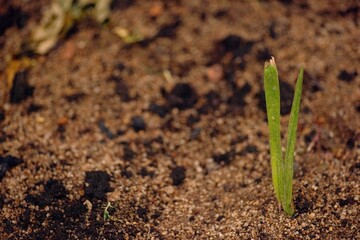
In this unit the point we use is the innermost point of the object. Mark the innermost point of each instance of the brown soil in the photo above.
(184, 156)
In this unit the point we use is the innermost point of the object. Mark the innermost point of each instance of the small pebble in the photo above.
(215, 72)
(138, 123)
(178, 175)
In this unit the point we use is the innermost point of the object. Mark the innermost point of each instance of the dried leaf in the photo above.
(48, 32)
(12, 68)
(61, 16)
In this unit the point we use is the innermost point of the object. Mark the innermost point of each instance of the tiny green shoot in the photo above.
(281, 165)
(106, 212)
(107, 215)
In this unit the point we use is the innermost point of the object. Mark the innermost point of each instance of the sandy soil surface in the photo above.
(172, 132)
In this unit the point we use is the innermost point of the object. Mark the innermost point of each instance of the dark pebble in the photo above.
(145, 173)
(347, 76)
(129, 154)
(263, 55)
(355, 168)
(24, 219)
(358, 108)
(311, 83)
(236, 45)
(156, 215)
(168, 30)
(251, 149)
(347, 201)
(182, 96)
(33, 107)
(302, 204)
(178, 175)
(310, 136)
(2, 115)
(121, 88)
(8, 162)
(239, 139)
(158, 109)
(126, 173)
(120, 66)
(76, 97)
(13, 16)
(105, 130)
(192, 119)
(237, 99)
(287, 2)
(350, 143)
(223, 159)
(221, 13)
(142, 213)
(8, 226)
(272, 30)
(20, 90)
(213, 101)
(138, 123)
(2, 201)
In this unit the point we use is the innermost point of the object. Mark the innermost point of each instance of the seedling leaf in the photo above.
(272, 97)
(282, 168)
(290, 146)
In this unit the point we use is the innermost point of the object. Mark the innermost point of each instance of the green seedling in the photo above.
(106, 211)
(281, 165)
(107, 215)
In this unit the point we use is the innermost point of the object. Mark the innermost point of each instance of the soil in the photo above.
(172, 132)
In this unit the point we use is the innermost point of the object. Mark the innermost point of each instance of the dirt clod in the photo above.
(224, 158)
(346, 76)
(178, 175)
(138, 123)
(20, 90)
(8, 162)
(236, 45)
(97, 185)
(182, 96)
(158, 109)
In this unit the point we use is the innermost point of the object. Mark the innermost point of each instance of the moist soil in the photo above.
(171, 130)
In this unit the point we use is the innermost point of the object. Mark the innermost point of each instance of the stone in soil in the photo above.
(178, 175)
(8, 162)
(224, 158)
(235, 44)
(105, 130)
(158, 109)
(121, 88)
(182, 96)
(21, 89)
(138, 123)
(237, 99)
(347, 76)
(75, 97)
